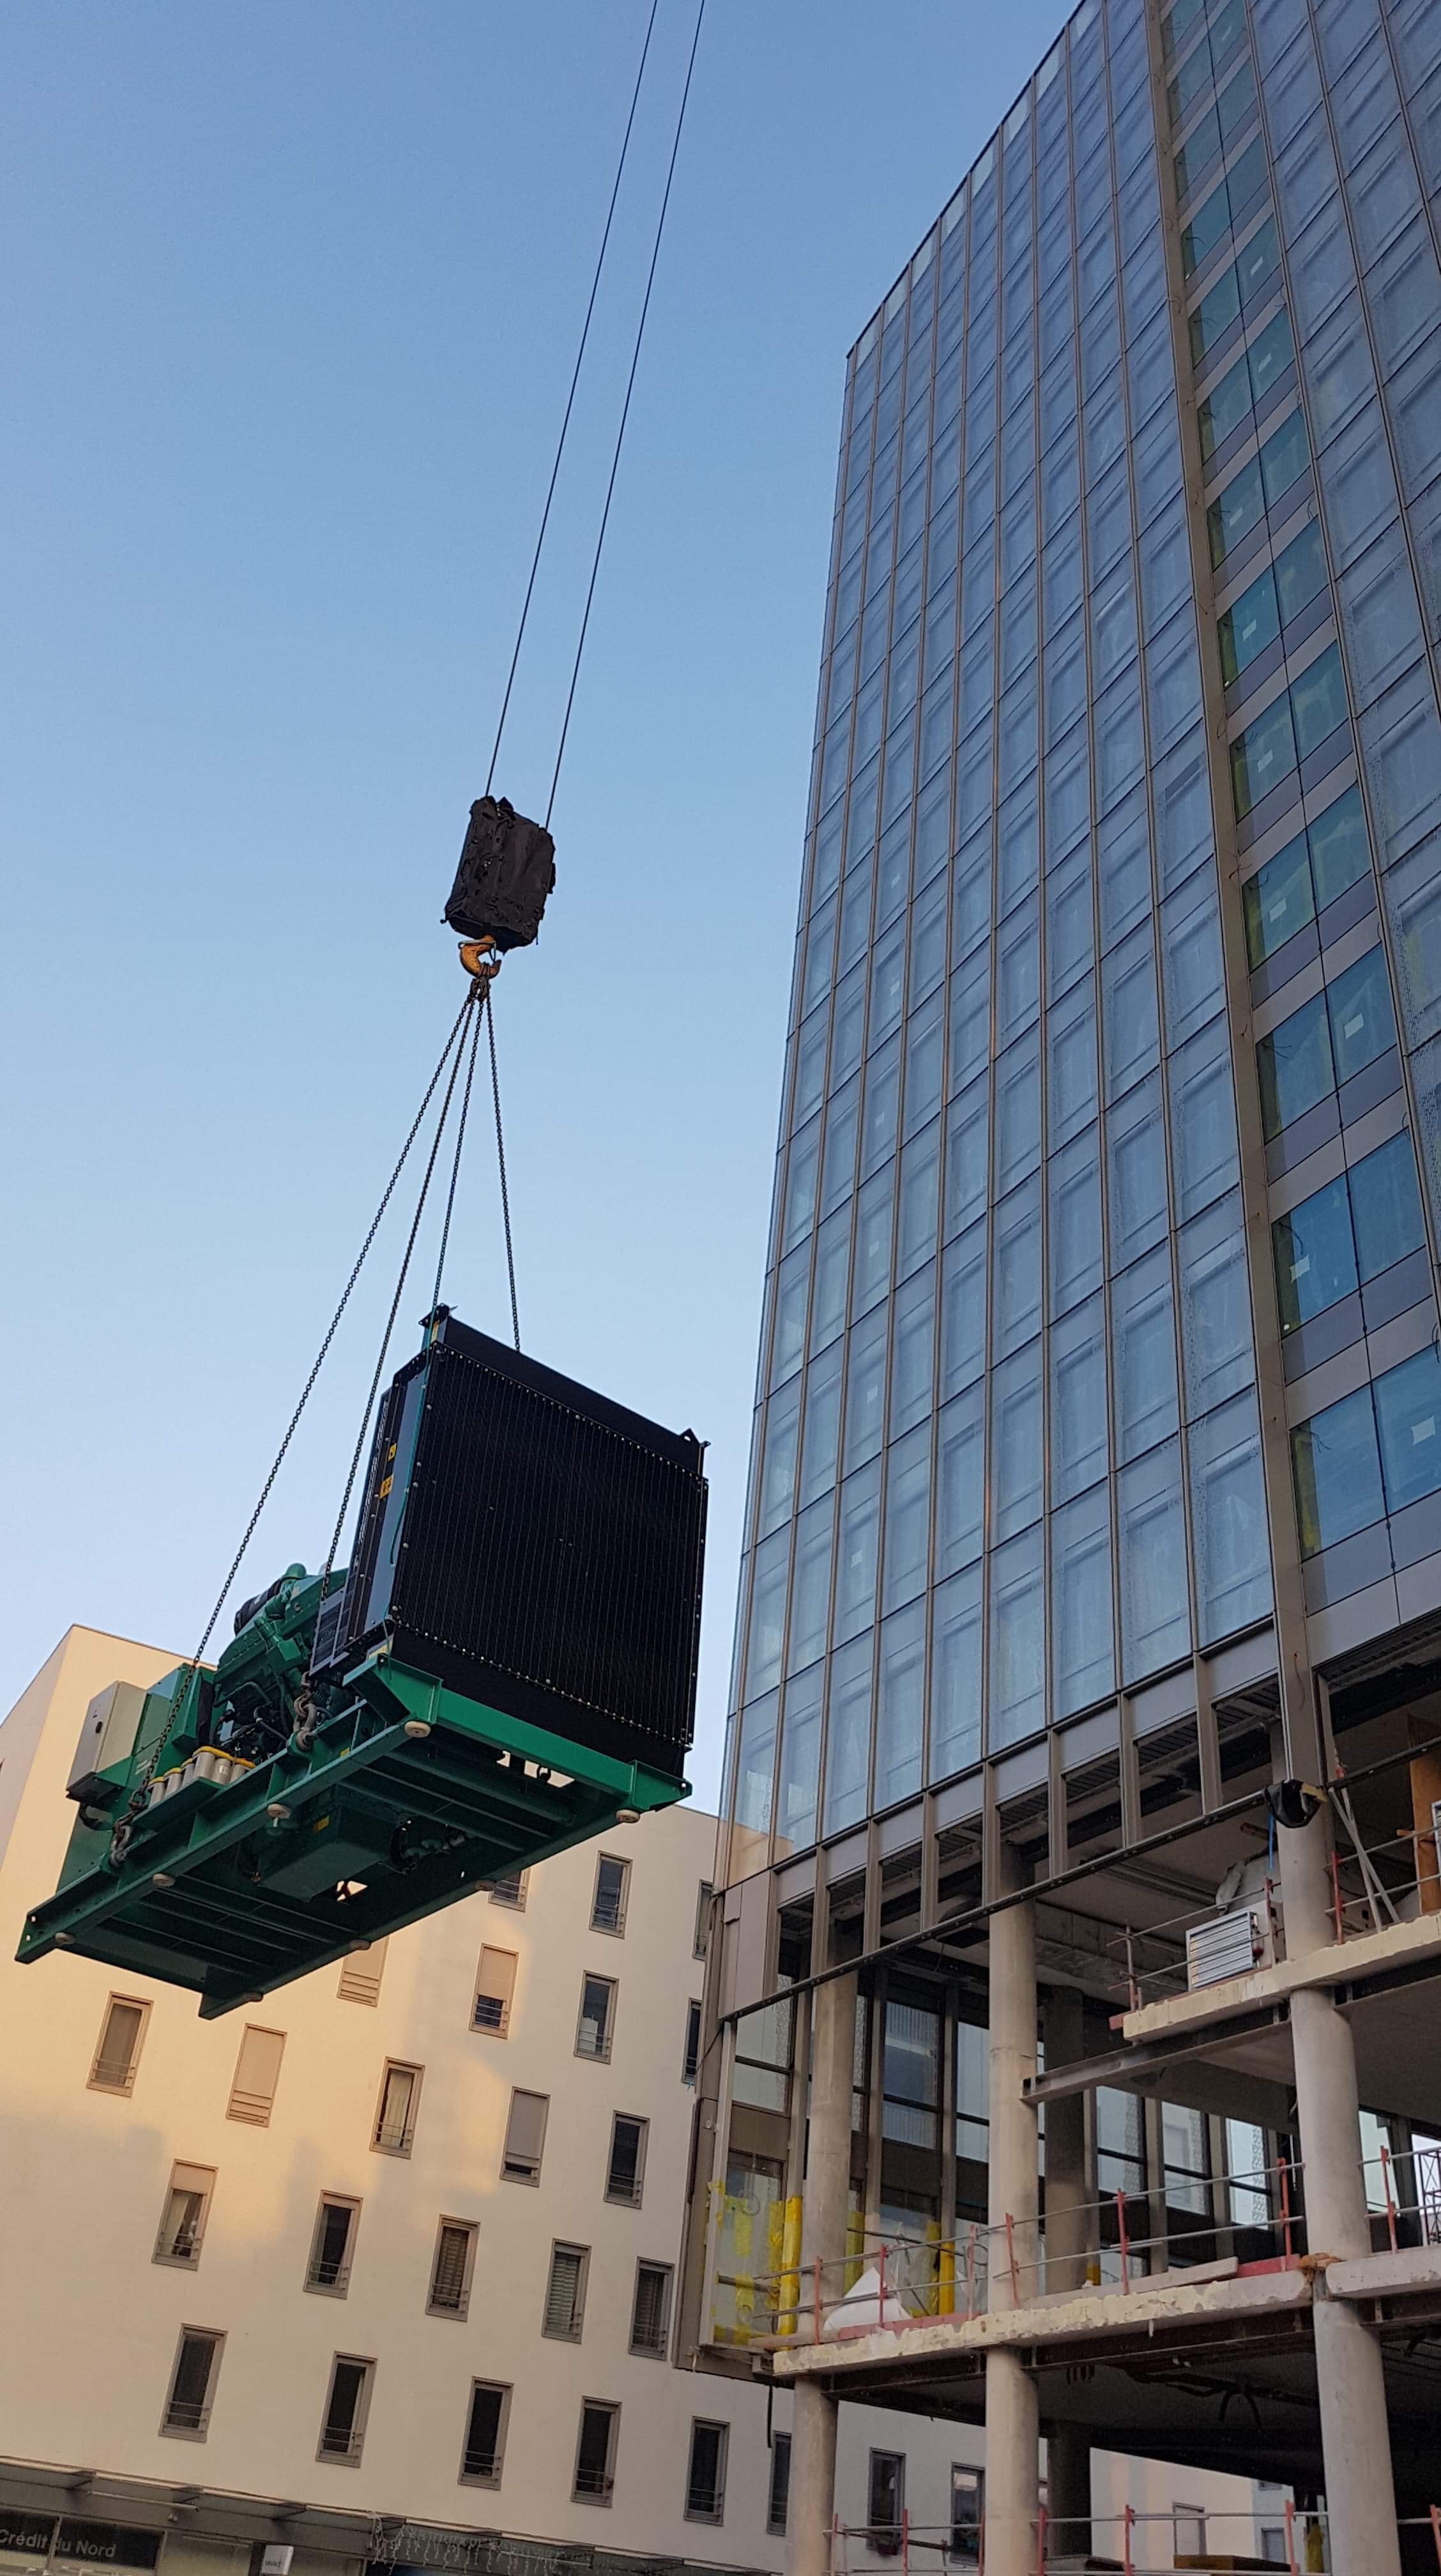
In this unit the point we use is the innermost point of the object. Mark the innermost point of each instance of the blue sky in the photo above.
(289, 306)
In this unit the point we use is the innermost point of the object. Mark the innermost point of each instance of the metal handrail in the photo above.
(957, 2270)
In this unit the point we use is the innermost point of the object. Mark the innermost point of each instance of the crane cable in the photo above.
(140, 1794)
(478, 996)
(625, 411)
(570, 399)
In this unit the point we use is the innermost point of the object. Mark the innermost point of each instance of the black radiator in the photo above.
(535, 1547)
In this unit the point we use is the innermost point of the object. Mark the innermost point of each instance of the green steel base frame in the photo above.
(480, 1795)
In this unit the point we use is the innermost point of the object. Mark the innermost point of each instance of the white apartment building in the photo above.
(382, 2269)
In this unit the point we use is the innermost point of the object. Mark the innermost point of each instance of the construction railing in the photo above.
(1372, 1886)
(1403, 2194)
(1134, 2543)
(1107, 2243)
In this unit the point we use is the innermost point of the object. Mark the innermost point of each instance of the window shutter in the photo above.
(114, 2067)
(562, 2297)
(361, 1974)
(396, 2121)
(257, 2072)
(447, 2288)
(494, 1991)
(525, 2132)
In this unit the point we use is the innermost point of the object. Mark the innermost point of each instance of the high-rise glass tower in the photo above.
(1096, 1477)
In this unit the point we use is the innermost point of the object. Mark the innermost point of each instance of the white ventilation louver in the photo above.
(1229, 1945)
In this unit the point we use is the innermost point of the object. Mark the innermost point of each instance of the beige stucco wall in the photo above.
(93, 2321)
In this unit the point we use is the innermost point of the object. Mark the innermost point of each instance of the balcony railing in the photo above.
(591, 2481)
(187, 2415)
(394, 2132)
(329, 2273)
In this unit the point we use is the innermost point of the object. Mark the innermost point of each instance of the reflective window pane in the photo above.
(1336, 1468)
(1229, 1529)
(1155, 1621)
(1083, 1653)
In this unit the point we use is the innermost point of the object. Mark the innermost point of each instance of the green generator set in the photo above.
(507, 1667)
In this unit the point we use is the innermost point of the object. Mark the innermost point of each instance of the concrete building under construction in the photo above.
(1071, 2057)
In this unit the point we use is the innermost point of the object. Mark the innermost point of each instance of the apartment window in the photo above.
(1189, 2525)
(511, 1890)
(192, 2384)
(968, 2496)
(347, 2404)
(778, 2497)
(484, 2453)
(494, 1993)
(187, 2206)
(595, 2452)
(704, 1893)
(650, 2314)
(886, 2492)
(332, 2245)
(524, 2137)
(612, 1886)
(257, 2073)
(118, 2052)
(705, 2486)
(565, 2293)
(361, 1974)
(451, 2267)
(395, 2117)
(691, 2057)
(625, 2173)
(596, 2025)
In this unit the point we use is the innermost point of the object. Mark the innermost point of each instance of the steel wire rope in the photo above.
(504, 1190)
(481, 1005)
(625, 411)
(471, 1002)
(139, 1794)
(570, 399)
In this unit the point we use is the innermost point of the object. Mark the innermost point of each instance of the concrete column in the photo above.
(1068, 2490)
(1069, 2219)
(823, 2239)
(1355, 2439)
(813, 2481)
(1012, 2415)
(1068, 2245)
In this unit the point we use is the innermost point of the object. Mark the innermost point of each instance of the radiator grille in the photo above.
(545, 1541)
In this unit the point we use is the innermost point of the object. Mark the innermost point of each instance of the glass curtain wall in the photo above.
(1315, 330)
(1006, 1453)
